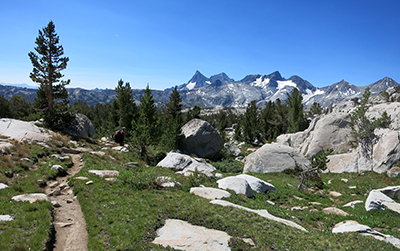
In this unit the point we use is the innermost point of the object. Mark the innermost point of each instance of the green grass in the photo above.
(32, 227)
(125, 214)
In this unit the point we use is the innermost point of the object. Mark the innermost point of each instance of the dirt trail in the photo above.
(69, 223)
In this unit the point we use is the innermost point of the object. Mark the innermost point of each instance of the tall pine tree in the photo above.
(173, 121)
(47, 66)
(145, 127)
(126, 108)
(297, 120)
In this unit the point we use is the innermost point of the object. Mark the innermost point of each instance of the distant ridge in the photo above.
(20, 85)
(221, 90)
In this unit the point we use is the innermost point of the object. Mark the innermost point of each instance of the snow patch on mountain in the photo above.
(309, 94)
(191, 85)
(282, 84)
(260, 82)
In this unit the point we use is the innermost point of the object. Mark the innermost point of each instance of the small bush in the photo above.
(228, 166)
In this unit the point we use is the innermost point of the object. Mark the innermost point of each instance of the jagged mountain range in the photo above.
(221, 90)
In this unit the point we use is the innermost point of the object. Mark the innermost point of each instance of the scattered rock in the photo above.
(200, 138)
(120, 149)
(55, 203)
(2, 186)
(6, 217)
(104, 173)
(63, 186)
(98, 153)
(256, 184)
(210, 192)
(53, 184)
(181, 235)
(335, 194)
(263, 212)
(344, 180)
(89, 182)
(354, 226)
(26, 159)
(297, 197)
(297, 208)
(271, 202)
(81, 178)
(56, 192)
(238, 185)
(314, 203)
(353, 203)
(185, 163)
(166, 182)
(69, 201)
(274, 158)
(32, 197)
(334, 210)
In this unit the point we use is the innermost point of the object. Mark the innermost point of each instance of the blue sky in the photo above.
(162, 43)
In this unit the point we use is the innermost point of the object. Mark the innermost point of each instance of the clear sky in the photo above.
(162, 43)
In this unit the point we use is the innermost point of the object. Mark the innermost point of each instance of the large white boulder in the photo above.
(22, 130)
(185, 163)
(236, 184)
(200, 138)
(81, 127)
(256, 184)
(274, 158)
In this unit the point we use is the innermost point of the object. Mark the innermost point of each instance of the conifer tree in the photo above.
(173, 121)
(47, 66)
(363, 128)
(250, 123)
(126, 108)
(145, 127)
(268, 127)
(297, 121)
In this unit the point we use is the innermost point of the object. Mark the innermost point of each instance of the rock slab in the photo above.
(181, 235)
(354, 226)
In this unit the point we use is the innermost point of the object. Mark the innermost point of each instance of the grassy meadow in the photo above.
(125, 214)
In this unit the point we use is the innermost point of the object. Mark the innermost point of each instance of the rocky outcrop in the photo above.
(331, 131)
(201, 139)
(353, 226)
(81, 127)
(182, 235)
(22, 130)
(384, 198)
(274, 158)
(186, 164)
